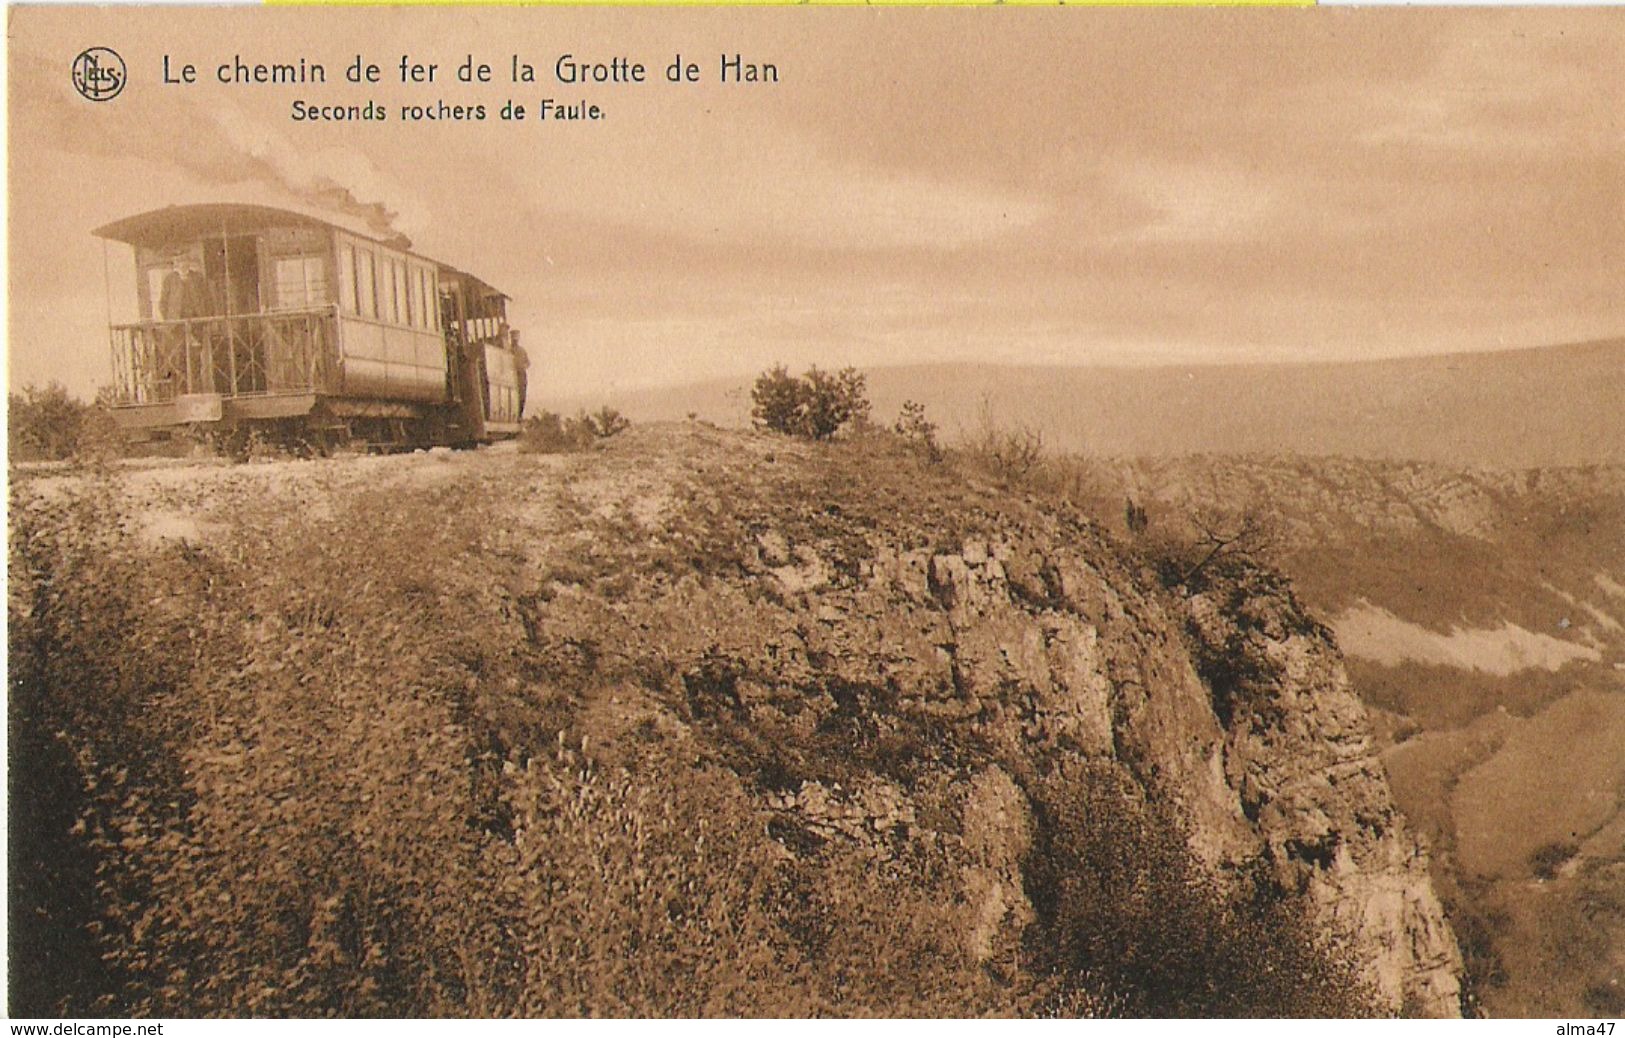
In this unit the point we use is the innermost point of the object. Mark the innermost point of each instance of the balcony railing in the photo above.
(246, 355)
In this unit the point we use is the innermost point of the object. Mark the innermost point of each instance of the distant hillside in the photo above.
(1557, 405)
(1436, 546)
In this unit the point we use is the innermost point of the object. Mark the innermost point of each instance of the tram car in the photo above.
(262, 320)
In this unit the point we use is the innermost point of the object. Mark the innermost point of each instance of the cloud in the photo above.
(857, 208)
(1508, 89)
(1188, 202)
(767, 188)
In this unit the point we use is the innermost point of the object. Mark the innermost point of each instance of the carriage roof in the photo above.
(184, 223)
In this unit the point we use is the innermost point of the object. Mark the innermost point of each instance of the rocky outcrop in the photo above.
(713, 724)
(1299, 755)
(1341, 500)
(922, 659)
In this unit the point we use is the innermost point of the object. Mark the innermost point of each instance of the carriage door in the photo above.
(463, 368)
(231, 264)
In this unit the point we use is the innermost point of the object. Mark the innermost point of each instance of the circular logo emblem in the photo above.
(98, 74)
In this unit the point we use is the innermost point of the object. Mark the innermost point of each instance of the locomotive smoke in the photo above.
(219, 144)
(332, 179)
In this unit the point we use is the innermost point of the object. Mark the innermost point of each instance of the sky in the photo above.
(1011, 185)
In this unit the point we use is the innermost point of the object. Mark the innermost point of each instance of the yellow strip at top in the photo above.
(791, 3)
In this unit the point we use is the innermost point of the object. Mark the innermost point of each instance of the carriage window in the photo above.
(431, 320)
(347, 278)
(387, 304)
(392, 289)
(366, 290)
(397, 291)
(421, 298)
(300, 282)
(414, 305)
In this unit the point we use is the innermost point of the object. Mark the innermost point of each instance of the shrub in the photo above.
(1480, 929)
(918, 431)
(1135, 519)
(606, 422)
(51, 425)
(1132, 915)
(1209, 543)
(1011, 455)
(1549, 857)
(643, 891)
(1605, 999)
(776, 400)
(814, 406)
(265, 836)
(550, 433)
(87, 684)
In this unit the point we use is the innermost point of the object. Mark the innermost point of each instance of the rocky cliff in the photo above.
(702, 722)
(876, 599)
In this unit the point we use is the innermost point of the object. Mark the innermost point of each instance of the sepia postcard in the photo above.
(689, 512)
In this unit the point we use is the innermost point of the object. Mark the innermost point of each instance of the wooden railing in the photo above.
(292, 351)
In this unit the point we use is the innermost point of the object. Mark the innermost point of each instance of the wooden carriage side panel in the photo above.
(389, 346)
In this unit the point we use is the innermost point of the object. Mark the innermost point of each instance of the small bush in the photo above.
(606, 422)
(1605, 999)
(1131, 914)
(1480, 929)
(634, 888)
(49, 424)
(918, 431)
(1549, 857)
(550, 433)
(814, 406)
(1209, 543)
(1012, 455)
(1135, 519)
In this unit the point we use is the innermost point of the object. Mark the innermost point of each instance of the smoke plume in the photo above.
(216, 142)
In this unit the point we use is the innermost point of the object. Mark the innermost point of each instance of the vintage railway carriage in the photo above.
(255, 318)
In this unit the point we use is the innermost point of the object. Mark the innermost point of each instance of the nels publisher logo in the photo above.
(99, 74)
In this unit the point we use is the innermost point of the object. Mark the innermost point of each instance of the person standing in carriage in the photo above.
(197, 301)
(171, 339)
(173, 291)
(197, 294)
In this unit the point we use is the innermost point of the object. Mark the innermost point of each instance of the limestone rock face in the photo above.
(1299, 755)
(845, 610)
